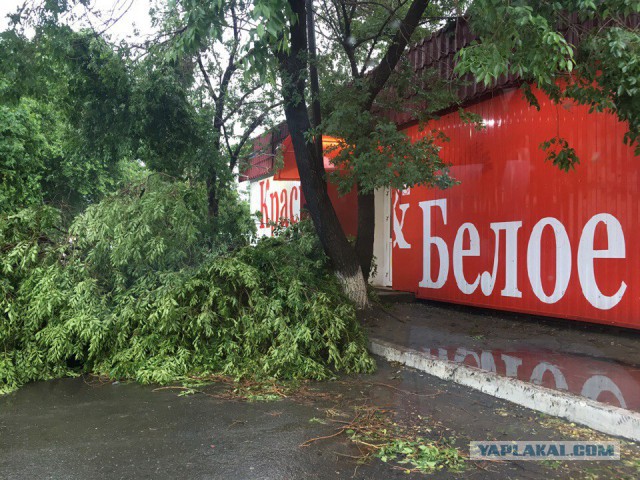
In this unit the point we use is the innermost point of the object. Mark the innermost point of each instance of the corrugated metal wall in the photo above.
(506, 179)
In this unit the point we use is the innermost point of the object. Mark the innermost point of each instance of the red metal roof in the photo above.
(437, 51)
(260, 163)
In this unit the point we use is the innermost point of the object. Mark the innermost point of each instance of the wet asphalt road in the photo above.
(68, 429)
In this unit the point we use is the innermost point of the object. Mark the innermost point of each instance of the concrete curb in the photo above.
(604, 418)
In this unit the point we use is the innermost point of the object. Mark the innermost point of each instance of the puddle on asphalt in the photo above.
(607, 382)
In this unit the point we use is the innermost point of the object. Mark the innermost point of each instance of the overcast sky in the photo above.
(135, 15)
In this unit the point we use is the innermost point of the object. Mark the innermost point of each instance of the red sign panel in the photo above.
(519, 234)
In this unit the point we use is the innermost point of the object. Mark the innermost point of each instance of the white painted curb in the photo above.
(604, 418)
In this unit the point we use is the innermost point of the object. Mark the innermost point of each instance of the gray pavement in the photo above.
(600, 363)
(79, 428)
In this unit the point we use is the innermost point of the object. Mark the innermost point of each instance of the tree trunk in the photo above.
(293, 67)
(377, 79)
(212, 195)
(313, 77)
(366, 231)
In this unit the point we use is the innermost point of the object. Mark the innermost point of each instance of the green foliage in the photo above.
(149, 228)
(65, 125)
(173, 136)
(81, 118)
(135, 291)
(29, 242)
(387, 157)
(515, 38)
(235, 224)
(144, 284)
(560, 154)
(270, 34)
(526, 39)
(373, 153)
(608, 75)
(99, 90)
(379, 434)
(25, 151)
(424, 456)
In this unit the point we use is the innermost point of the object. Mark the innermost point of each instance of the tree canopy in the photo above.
(124, 246)
(111, 261)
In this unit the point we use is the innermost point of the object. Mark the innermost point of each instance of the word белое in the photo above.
(468, 232)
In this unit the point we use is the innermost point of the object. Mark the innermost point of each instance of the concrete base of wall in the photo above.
(604, 418)
(387, 295)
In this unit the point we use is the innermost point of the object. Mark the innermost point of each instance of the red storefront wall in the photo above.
(584, 247)
(346, 206)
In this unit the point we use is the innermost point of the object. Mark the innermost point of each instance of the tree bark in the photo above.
(220, 101)
(366, 231)
(293, 66)
(377, 80)
(212, 195)
(379, 75)
(313, 77)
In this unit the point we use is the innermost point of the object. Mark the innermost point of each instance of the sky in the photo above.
(135, 15)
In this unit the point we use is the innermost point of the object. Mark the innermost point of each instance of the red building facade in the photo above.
(517, 233)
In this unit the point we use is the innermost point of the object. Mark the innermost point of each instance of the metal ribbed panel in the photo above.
(506, 179)
(260, 164)
(438, 52)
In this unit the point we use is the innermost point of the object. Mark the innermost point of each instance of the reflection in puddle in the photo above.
(599, 380)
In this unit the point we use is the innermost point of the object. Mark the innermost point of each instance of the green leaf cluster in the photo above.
(560, 153)
(63, 119)
(80, 117)
(516, 37)
(372, 151)
(134, 290)
(529, 40)
(424, 456)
